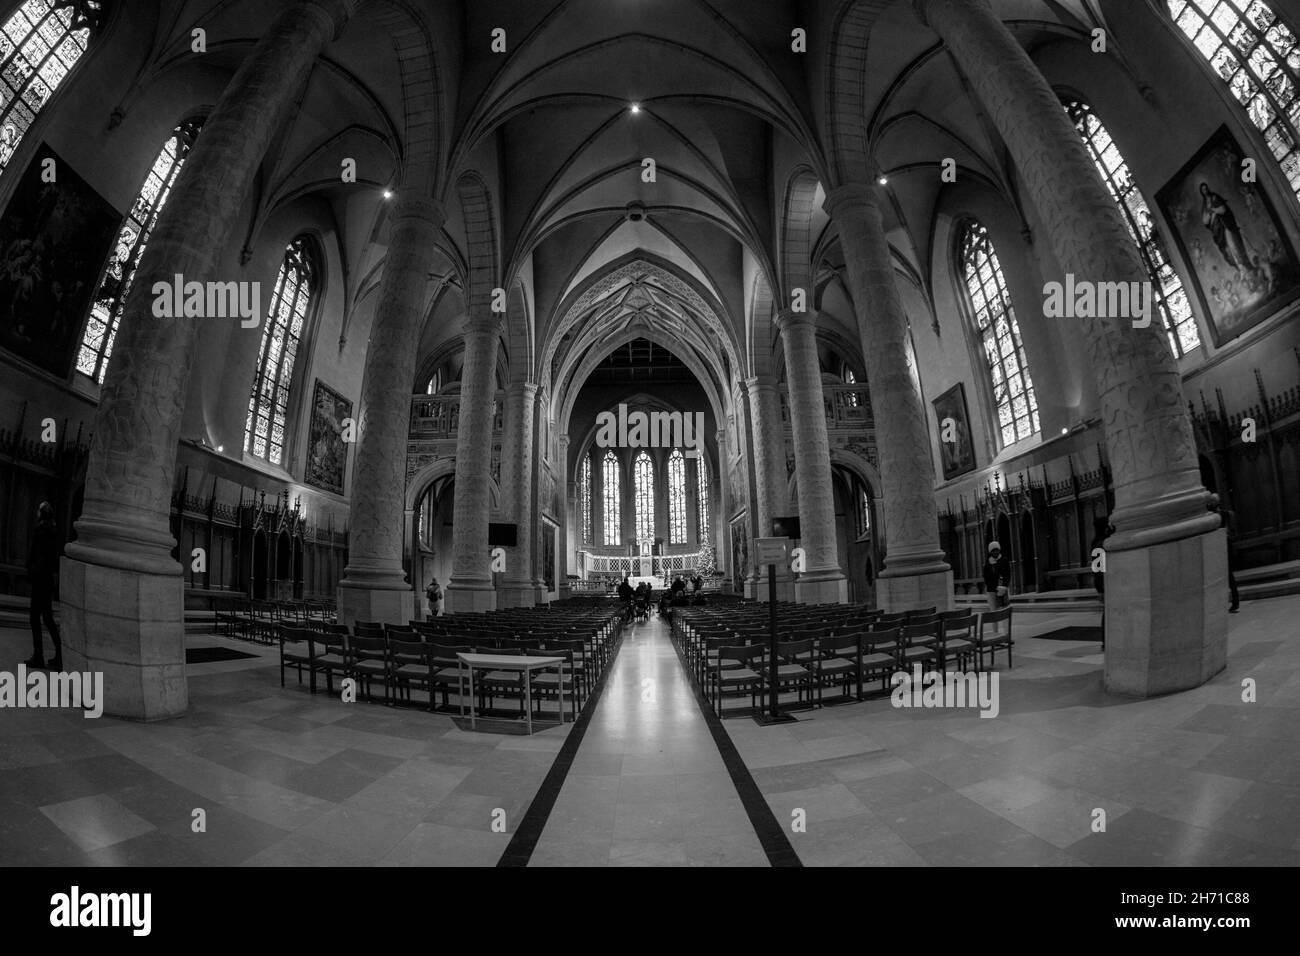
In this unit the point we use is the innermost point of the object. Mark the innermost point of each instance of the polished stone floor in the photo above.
(285, 778)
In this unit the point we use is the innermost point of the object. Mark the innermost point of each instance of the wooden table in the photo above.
(526, 666)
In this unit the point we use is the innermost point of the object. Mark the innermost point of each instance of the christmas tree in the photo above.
(706, 567)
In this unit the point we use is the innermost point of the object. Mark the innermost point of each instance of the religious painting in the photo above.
(958, 454)
(1243, 268)
(548, 555)
(327, 452)
(54, 240)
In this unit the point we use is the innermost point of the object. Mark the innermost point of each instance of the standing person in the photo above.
(42, 571)
(1101, 530)
(997, 577)
(434, 594)
(1229, 519)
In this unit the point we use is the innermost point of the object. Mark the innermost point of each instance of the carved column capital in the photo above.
(787, 320)
(865, 197)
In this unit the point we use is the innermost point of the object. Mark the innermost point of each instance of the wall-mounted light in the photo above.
(388, 194)
(220, 449)
(634, 108)
(883, 180)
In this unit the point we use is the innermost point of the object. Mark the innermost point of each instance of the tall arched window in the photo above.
(864, 511)
(39, 46)
(703, 497)
(435, 383)
(676, 497)
(584, 498)
(995, 320)
(610, 473)
(115, 283)
(1257, 55)
(850, 378)
(643, 487)
(1170, 299)
(268, 406)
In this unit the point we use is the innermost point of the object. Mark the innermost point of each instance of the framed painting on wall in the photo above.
(54, 239)
(1242, 267)
(327, 452)
(958, 455)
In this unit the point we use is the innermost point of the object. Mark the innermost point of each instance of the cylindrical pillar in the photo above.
(122, 592)
(821, 581)
(915, 574)
(471, 587)
(517, 588)
(374, 587)
(770, 480)
(1166, 624)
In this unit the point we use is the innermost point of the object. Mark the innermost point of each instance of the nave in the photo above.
(288, 778)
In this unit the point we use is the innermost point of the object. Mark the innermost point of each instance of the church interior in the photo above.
(555, 433)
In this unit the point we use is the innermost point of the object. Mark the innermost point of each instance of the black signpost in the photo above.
(771, 551)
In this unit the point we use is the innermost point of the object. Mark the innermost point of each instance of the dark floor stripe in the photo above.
(521, 846)
(771, 835)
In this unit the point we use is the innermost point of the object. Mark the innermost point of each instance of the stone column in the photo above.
(562, 589)
(719, 526)
(915, 573)
(517, 588)
(471, 587)
(822, 582)
(374, 587)
(1166, 620)
(122, 591)
(771, 481)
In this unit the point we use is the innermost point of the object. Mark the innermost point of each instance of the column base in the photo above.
(468, 597)
(516, 594)
(756, 589)
(822, 587)
(382, 605)
(1166, 615)
(907, 592)
(130, 626)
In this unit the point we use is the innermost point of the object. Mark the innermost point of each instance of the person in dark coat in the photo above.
(1101, 530)
(43, 573)
(997, 577)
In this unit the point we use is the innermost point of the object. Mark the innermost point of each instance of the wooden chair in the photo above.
(956, 640)
(747, 672)
(991, 641)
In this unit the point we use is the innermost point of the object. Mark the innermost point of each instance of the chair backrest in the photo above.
(881, 640)
(524, 644)
(396, 632)
(920, 612)
(921, 619)
(959, 613)
(920, 633)
(892, 620)
(331, 641)
(413, 650)
(444, 655)
(368, 629)
(843, 643)
(750, 654)
(562, 644)
(957, 627)
(993, 619)
(368, 647)
(291, 634)
(793, 650)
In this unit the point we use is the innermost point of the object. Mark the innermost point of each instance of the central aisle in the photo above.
(648, 786)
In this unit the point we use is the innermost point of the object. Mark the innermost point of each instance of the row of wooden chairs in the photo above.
(422, 655)
(259, 620)
(813, 657)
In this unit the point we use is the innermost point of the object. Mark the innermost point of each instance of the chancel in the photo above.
(387, 380)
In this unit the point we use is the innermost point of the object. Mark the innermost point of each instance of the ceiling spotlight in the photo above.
(388, 194)
(636, 108)
(1065, 431)
(883, 181)
(220, 449)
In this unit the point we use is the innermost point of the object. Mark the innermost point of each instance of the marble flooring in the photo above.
(285, 778)
(648, 785)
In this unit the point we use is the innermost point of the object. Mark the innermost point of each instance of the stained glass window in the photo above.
(1167, 288)
(850, 379)
(676, 497)
(702, 476)
(584, 498)
(39, 45)
(609, 474)
(643, 487)
(106, 312)
(268, 406)
(999, 332)
(1257, 55)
